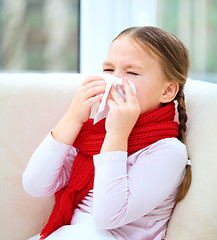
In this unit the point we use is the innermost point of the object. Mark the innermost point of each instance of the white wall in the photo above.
(103, 20)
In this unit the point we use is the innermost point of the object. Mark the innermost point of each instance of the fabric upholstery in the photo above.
(196, 216)
(30, 106)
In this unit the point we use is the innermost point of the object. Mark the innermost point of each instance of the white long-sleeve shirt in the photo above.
(132, 196)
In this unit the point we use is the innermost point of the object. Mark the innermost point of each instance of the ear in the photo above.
(170, 91)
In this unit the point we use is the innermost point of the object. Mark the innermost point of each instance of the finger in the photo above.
(128, 90)
(111, 103)
(93, 84)
(116, 96)
(94, 91)
(91, 78)
(93, 100)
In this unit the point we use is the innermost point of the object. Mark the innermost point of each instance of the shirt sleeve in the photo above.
(123, 194)
(49, 168)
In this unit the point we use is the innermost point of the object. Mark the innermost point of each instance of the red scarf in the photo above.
(149, 128)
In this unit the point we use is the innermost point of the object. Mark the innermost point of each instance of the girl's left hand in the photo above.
(123, 113)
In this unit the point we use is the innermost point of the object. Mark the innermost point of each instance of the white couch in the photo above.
(31, 105)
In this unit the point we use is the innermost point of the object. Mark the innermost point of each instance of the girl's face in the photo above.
(127, 59)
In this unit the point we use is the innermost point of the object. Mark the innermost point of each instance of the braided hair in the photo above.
(173, 57)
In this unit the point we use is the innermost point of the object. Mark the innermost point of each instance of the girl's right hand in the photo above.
(90, 92)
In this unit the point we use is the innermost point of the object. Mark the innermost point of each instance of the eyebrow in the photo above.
(108, 64)
(126, 66)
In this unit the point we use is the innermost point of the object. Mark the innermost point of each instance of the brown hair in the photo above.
(174, 60)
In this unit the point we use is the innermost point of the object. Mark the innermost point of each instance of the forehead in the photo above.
(128, 50)
(125, 44)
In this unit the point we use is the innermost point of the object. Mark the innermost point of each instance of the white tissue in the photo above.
(103, 109)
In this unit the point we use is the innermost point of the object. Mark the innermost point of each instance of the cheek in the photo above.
(141, 91)
(148, 99)
(141, 96)
(137, 85)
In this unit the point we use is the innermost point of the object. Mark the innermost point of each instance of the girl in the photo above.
(119, 179)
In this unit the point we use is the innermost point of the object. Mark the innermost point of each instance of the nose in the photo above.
(118, 74)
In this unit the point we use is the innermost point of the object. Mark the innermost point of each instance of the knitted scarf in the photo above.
(149, 128)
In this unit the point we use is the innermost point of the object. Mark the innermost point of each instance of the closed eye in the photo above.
(133, 73)
(108, 70)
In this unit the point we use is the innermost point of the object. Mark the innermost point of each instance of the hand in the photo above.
(123, 113)
(90, 92)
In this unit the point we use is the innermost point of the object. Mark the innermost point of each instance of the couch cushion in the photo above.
(31, 105)
(196, 216)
